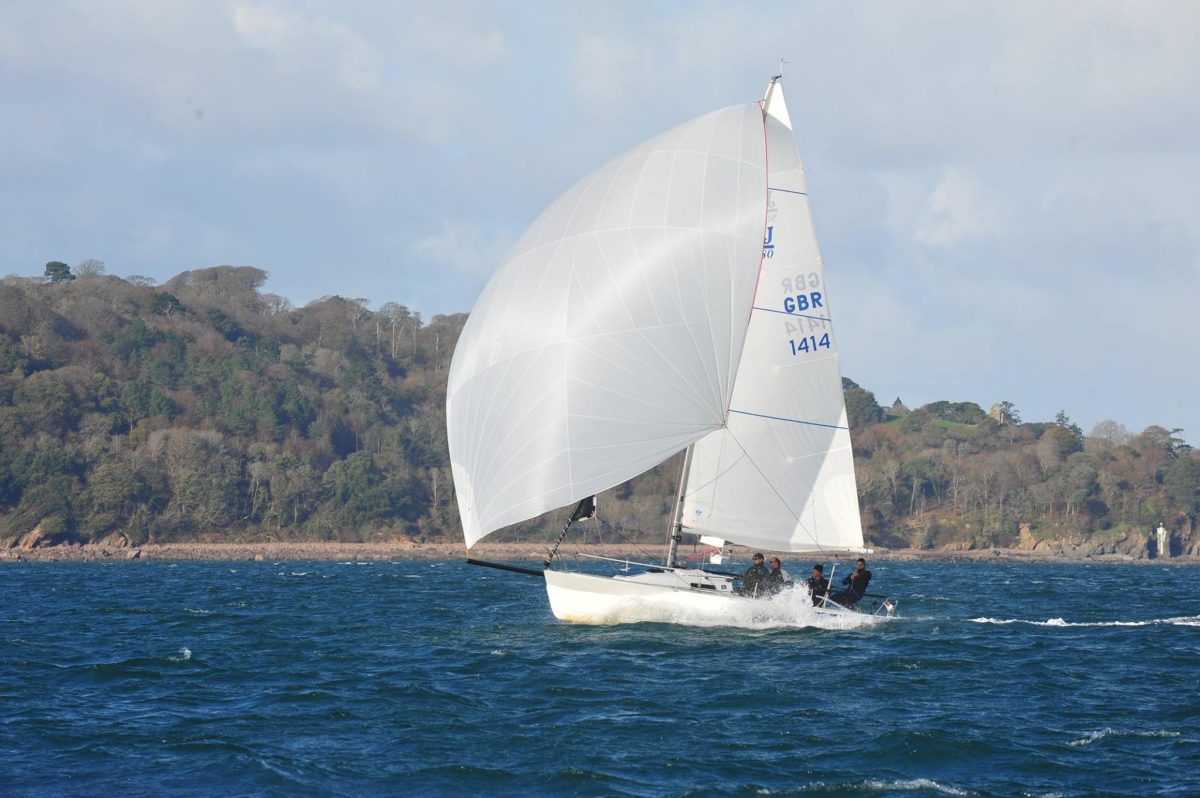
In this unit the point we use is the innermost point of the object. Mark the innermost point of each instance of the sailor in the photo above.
(818, 585)
(777, 578)
(858, 579)
(754, 581)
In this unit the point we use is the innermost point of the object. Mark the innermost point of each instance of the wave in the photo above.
(1184, 620)
(1110, 732)
(914, 784)
(872, 786)
(185, 654)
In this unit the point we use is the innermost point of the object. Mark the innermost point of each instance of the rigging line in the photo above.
(787, 191)
(690, 491)
(789, 420)
(638, 547)
(778, 495)
(795, 315)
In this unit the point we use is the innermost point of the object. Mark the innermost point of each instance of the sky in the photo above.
(1006, 194)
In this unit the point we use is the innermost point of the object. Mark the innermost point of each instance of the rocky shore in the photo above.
(516, 552)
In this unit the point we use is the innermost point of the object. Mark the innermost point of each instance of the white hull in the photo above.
(680, 596)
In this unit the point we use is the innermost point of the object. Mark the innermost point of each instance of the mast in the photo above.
(675, 534)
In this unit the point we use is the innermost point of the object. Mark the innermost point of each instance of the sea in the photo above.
(442, 679)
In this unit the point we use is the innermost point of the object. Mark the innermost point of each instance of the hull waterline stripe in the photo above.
(789, 420)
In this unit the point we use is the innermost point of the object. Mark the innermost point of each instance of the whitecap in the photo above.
(195, 611)
(185, 654)
(914, 784)
(1108, 731)
(1190, 620)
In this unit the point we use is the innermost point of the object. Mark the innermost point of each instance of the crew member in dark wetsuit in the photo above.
(777, 578)
(754, 581)
(818, 585)
(858, 579)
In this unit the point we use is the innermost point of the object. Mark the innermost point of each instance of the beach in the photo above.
(516, 552)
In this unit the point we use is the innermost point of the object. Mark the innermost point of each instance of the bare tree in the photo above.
(90, 268)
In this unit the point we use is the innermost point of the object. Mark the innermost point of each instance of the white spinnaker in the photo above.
(780, 474)
(608, 338)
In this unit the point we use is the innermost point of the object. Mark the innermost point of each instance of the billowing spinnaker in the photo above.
(780, 474)
(608, 338)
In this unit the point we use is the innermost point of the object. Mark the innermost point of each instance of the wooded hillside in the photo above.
(205, 409)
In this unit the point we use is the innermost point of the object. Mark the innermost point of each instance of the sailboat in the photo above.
(673, 300)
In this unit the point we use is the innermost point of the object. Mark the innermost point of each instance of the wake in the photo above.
(1185, 620)
(792, 609)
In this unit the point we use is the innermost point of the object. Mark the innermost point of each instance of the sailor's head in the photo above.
(758, 558)
(775, 563)
(860, 563)
(818, 569)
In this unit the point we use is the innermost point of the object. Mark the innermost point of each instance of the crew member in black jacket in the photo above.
(754, 581)
(818, 585)
(858, 579)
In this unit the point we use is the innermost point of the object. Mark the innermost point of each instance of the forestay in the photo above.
(609, 337)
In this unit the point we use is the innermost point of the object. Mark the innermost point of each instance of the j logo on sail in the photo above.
(768, 243)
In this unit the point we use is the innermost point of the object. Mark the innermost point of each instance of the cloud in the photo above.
(1004, 192)
(466, 248)
(960, 209)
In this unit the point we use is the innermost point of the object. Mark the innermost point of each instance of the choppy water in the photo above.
(416, 678)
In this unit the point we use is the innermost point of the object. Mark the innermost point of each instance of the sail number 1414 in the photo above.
(809, 343)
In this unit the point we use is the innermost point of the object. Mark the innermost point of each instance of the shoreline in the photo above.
(520, 552)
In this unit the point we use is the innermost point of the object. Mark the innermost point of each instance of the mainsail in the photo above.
(631, 320)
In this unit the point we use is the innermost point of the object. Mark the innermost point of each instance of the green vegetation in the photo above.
(205, 409)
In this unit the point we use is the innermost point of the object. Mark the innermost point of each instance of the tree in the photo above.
(861, 408)
(1163, 439)
(1064, 421)
(1111, 432)
(959, 412)
(90, 268)
(59, 272)
(1182, 481)
(1008, 413)
(167, 304)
